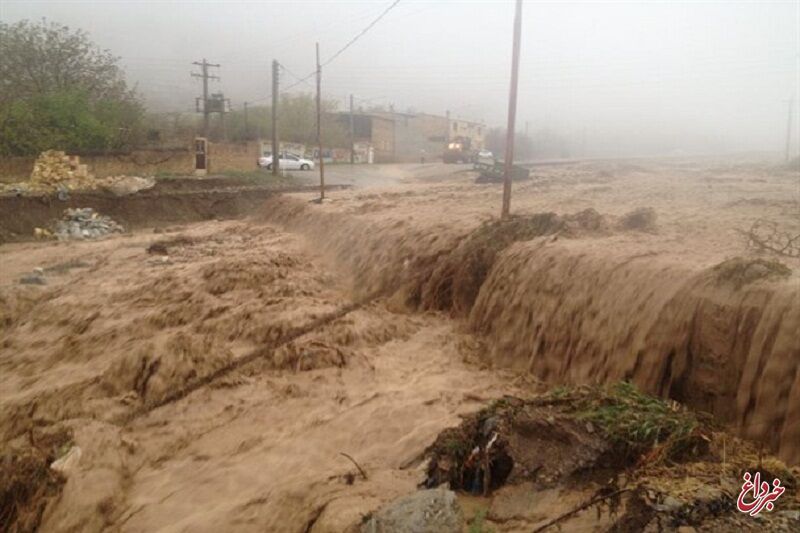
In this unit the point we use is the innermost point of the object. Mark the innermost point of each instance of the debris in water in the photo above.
(34, 278)
(27, 483)
(157, 248)
(68, 462)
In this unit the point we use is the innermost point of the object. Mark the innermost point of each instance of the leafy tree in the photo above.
(297, 122)
(58, 90)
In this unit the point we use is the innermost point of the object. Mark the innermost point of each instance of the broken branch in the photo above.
(363, 474)
(581, 507)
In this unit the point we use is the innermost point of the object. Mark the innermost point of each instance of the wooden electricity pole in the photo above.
(512, 112)
(275, 145)
(789, 129)
(204, 65)
(352, 134)
(246, 126)
(319, 130)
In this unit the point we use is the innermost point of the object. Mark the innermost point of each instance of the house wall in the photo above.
(433, 130)
(407, 137)
(383, 139)
(472, 130)
(416, 136)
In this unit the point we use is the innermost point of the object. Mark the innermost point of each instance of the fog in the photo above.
(612, 78)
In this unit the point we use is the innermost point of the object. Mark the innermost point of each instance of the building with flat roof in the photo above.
(409, 137)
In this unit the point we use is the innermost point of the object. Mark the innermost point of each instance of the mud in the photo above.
(623, 298)
(214, 373)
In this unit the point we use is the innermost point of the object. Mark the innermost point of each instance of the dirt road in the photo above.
(217, 386)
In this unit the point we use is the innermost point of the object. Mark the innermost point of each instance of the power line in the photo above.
(298, 78)
(361, 34)
(342, 49)
(352, 41)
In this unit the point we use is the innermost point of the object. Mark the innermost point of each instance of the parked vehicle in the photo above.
(287, 162)
(495, 173)
(484, 159)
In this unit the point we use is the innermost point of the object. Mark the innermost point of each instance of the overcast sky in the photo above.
(628, 77)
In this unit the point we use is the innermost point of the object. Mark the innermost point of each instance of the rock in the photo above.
(669, 505)
(424, 511)
(124, 185)
(42, 233)
(68, 462)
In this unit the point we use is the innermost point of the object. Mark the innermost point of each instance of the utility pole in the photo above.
(789, 129)
(352, 134)
(275, 81)
(246, 127)
(319, 130)
(512, 112)
(204, 66)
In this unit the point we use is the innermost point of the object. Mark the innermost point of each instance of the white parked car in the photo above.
(287, 162)
(484, 158)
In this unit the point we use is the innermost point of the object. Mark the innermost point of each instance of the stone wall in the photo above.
(224, 157)
(15, 168)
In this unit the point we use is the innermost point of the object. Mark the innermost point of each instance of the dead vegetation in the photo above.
(766, 236)
(27, 483)
(642, 219)
(740, 271)
(619, 424)
(645, 460)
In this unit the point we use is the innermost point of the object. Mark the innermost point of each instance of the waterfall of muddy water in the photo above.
(721, 339)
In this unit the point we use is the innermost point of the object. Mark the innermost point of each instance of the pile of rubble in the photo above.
(55, 170)
(84, 223)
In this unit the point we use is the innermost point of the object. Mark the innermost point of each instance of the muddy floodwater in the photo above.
(285, 365)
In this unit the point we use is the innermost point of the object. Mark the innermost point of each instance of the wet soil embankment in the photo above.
(697, 337)
(721, 339)
(170, 201)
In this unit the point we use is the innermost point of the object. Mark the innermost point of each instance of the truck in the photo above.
(458, 150)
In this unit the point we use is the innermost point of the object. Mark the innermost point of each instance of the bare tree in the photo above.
(767, 236)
